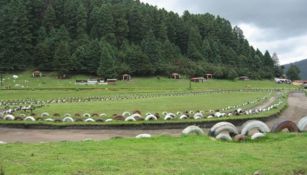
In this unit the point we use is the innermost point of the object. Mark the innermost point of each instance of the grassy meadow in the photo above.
(146, 84)
(160, 94)
(283, 153)
(173, 104)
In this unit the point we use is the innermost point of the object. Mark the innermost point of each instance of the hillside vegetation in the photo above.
(111, 37)
(302, 65)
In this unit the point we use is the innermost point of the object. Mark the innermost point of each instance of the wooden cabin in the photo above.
(175, 76)
(36, 74)
(244, 78)
(126, 77)
(209, 76)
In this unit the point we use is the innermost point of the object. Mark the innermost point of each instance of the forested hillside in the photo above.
(111, 37)
(302, 65)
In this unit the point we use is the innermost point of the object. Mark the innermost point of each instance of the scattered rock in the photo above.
(2, 143)
(257, 173)
(140, 136)
(239, 138)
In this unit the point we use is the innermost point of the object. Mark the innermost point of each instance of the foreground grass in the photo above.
(276, 154)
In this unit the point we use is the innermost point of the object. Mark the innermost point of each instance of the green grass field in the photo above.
(283, 153)
(203, 102)
(137, 84)
(48, 88)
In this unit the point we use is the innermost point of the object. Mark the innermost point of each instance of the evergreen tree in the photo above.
(215, 57)
(136, 26)
(90, 57)
(106, 64)
(267, 59)
(169, 52)
(63, 62)
(238, 32)
(121, 25)
(293, 72)
(138, 61)
(16, 37)
(182, 37)
(232, 74)
(59, 7)
(60, 34)
(41, 34)
(206, 50)
(140, 38)
(43, 56)
(194, 45)
(103, 22)
(172, 22)
(159, 27)
(49, 20)
(81, 22)
(152, 48)
(278, 70)
(80, 57)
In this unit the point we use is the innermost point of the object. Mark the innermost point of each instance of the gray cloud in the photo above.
(277, 25)
(286, 17)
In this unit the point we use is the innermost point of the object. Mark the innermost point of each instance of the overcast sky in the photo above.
(276, 25)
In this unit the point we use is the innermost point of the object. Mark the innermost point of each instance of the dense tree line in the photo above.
(111, 37)
(293, 72)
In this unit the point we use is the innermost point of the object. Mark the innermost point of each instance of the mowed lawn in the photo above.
(49, 81)
(203, 102)
(284, 153)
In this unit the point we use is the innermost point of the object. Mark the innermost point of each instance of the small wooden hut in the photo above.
(126, 77)
(244, 78)
(175, 76)
(209, 76)
(36, 74)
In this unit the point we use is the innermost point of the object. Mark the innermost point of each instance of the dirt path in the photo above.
(297, 108)
(36, 136)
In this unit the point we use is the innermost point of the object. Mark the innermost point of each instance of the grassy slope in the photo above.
(139, 84)
(276, 154)
(136, 86)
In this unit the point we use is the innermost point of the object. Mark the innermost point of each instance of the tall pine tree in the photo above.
(63, 62)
